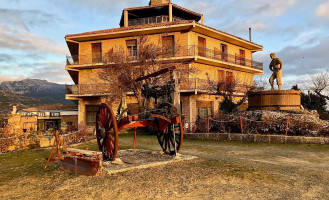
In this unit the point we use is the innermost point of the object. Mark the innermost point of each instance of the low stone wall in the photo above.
(257, 138)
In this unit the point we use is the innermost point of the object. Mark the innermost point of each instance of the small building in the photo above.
(43, 118)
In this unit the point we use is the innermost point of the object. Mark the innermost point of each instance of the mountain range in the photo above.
(31, 92)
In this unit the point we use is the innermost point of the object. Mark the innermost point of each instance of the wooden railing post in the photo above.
(287, 125)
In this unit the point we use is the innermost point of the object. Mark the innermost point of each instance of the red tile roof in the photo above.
(113, 30)
(130, 28)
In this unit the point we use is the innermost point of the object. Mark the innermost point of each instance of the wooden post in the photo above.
(287, 125)
(170, 13)
(25, 140)
(125, 15)
(208, 129)
(241, 125)
(134, 139)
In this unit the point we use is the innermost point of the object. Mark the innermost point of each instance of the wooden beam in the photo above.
(170, 12)
(125, 18)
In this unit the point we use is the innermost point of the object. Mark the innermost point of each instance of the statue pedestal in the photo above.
(274, 100)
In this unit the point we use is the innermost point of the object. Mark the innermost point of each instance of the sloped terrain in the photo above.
(42, 90)
(8, 100)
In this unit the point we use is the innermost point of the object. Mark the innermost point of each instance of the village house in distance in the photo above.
(216, 56)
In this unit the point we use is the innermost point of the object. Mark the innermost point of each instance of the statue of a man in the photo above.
(276, 68)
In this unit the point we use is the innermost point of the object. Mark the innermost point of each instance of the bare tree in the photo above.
(233, 88)
(320, 84)
(124, 66)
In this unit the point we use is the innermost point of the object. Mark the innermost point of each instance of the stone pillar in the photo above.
(176, 93)
(125, 13)
(170, 12)
(81, 114)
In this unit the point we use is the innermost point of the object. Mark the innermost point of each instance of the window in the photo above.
(168, 44)
(221, 79)
(223, 48)
(91, 112)
(201, 46)
(96, 50)
(131, 48)
(204, 109)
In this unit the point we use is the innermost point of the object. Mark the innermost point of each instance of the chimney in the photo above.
(158, 2)
(250, 34)
(14, 110)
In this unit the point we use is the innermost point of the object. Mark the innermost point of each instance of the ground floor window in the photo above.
(91, 112)
(205, 109)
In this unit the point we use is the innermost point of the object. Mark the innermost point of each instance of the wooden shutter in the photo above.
(96, 50)
(202, 46)
(168, 44)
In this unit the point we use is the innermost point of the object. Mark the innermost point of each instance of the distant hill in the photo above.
(39, 90)
(8, 100)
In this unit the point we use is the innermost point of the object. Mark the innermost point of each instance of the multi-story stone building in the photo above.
(217, 56)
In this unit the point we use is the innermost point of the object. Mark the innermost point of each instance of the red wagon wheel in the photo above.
(107, 132)
(168, 140)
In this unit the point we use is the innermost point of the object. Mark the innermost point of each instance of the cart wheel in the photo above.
(167, 141)
(107, 132)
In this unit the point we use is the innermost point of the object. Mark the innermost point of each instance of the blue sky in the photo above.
(32, 32)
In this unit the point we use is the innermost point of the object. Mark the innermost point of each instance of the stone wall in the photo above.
(257, 138)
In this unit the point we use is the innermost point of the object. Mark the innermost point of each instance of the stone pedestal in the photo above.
(274, 100)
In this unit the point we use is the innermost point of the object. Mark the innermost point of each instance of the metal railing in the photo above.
(211, 86)
(225, 57)
(89, 89)
(151, 20)
(189, 84)
(192, 50)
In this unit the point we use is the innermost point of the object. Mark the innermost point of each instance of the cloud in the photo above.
(5, 57)
(19, 39)
(11, 77)
(299, 61)
(323, 10)
(27, 18)
(51, 71)
(270, 8)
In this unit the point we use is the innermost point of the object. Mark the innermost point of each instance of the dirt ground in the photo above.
(224, 170)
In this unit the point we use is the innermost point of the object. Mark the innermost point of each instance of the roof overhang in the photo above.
(199, 28)
(130, 33)
(196, 27)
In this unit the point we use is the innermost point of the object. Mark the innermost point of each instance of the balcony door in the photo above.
(201, 46)
(223, 48)
(168, 45)
(221, 79)
(96, 51)
(229, 80)
(242, 57)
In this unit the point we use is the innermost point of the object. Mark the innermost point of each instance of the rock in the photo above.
(117, 161)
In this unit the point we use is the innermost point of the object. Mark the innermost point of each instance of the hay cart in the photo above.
(164, 119)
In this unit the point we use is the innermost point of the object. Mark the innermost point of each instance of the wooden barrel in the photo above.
(274, 100)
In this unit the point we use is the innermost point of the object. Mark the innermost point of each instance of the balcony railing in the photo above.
(151, 20)
(89, 89)
(185, 85)
(191, 51)
(229, 58)
(211, 86)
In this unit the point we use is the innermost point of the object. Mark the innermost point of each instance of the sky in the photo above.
(32, 32)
